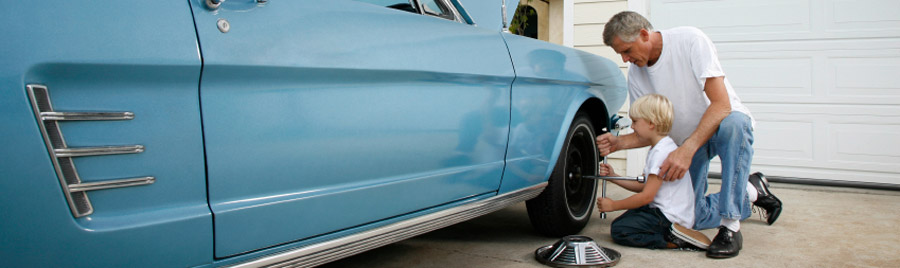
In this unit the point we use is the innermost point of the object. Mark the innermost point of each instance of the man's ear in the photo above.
(645, 35)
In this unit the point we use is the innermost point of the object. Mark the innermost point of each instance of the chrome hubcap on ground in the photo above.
(577, 251)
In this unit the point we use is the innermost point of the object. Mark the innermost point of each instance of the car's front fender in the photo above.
(552, 84)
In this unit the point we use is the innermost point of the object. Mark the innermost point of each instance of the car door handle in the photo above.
(213, 4)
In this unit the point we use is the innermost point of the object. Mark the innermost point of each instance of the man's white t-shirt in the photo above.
(675, 198)
(688, 58)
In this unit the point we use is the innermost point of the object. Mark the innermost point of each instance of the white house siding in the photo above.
(821, 77)
(589, 18)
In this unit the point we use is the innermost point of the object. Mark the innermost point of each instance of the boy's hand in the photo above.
(607, 144)
(607, 170)
(605, 204)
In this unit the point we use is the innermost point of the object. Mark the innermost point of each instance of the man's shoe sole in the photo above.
(775, 213)
(770, 219)
(722, 256)
(691, 236)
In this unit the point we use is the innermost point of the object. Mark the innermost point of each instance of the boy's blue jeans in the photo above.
(732, 142)
(643, 227)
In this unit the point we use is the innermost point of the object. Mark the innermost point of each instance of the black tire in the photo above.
(565, 205)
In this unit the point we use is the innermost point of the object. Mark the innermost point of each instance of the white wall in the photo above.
(821, 77)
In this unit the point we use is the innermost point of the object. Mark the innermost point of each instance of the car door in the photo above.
(319, 116)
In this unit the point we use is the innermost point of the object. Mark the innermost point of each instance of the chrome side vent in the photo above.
(61, 154)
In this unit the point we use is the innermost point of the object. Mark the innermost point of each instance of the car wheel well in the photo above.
(598, 115)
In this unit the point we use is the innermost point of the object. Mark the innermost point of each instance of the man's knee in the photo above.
(735, 122)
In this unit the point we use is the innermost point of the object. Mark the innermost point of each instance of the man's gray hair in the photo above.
(626, 25)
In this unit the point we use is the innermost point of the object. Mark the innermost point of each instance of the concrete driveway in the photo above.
(820, 227)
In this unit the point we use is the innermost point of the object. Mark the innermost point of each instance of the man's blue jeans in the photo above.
(732, 142)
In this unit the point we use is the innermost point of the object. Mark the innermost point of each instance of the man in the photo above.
(710, 120)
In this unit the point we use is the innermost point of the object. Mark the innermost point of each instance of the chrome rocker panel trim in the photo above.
(324, 252)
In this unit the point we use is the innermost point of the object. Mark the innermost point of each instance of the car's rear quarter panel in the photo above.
(103, 56)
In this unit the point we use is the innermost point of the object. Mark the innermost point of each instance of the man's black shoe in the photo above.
(765, 199)
(726, 244)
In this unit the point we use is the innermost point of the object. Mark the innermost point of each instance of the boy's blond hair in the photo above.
(656, 109)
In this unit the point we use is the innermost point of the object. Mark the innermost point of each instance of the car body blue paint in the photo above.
(310, 120)
(103, 56)
(356, 122)
(552, 83)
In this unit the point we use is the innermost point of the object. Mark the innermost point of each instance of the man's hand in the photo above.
(676, 164)
(605, 204)
(607, 144)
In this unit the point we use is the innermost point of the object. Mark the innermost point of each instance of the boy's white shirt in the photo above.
(674, 198)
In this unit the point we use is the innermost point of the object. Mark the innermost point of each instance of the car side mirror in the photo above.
(619, 123)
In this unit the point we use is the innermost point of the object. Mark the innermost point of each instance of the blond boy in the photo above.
(659, 211)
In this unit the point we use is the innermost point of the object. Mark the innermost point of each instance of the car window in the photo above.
(438, 9)
(435, 8)
(405, 5)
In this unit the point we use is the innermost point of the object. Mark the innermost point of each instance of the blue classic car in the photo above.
(199, 133)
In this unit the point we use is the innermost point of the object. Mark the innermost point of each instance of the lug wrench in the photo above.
(618, 124)
(603, 193)
(640, 179)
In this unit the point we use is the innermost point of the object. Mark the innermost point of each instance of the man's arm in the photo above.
(678, 162)
(607, 143)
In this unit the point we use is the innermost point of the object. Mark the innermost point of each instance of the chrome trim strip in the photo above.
(99, 150)
(86, 116)
(111, 184)
(41, 104)
(61, 155)
(324, 252)
(503, 14)
(456, 16)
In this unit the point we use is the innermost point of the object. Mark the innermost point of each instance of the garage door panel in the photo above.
(866, 15)
(875, 77)
(806, 145)
(774, 77)
(734, 19)
(731, 20)
(865, 146)
(833, 174)
(818, 73)
(784, 141)
(855, 138)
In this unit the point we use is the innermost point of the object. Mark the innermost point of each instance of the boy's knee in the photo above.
(620, 231)
(621, 237)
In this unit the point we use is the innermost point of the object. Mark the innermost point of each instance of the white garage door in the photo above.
(822, 78)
